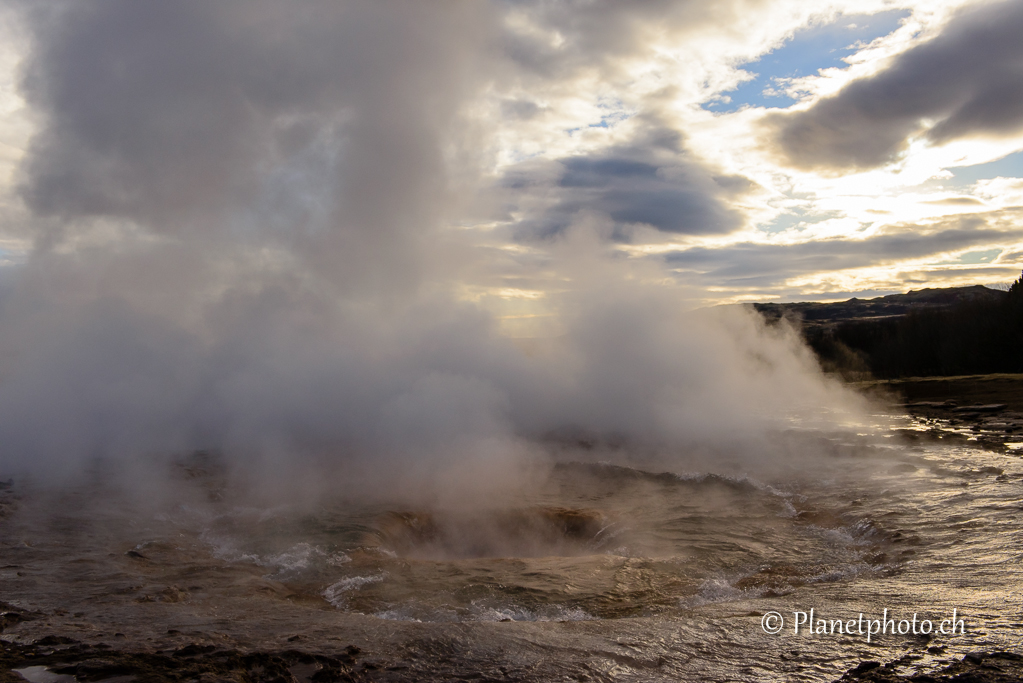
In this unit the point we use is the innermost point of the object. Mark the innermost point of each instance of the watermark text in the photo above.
(811, 624)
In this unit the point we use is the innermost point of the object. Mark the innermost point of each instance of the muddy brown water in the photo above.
(607, 571)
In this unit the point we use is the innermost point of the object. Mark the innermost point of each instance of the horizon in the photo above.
(997, 287)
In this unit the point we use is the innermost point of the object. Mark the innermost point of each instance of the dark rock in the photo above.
(55, 640)
(194, 663)
(975, 667)
(193, 650)
(864, 667)
(10, 619)
(987, 408)
(96, 669)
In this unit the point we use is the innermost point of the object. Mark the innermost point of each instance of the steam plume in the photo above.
(241, 216)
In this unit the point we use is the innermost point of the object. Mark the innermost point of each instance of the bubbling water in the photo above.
(594, 541)
(649, 571)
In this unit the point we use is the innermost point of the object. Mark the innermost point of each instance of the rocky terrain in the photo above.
(62, 660)
(978, 667)
(984, 410)
(72, 661)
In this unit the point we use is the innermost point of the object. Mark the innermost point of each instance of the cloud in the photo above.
(957, 201)
(964, 82)
(579, 34)
(643, 182)
(767, 265)
(303, 144)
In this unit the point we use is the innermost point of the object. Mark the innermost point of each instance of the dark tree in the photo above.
(975, 336)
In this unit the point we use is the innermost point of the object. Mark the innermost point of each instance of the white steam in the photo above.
(240, 216)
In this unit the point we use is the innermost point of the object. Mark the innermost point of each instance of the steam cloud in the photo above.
(239, 212)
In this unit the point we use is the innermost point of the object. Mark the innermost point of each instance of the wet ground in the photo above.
(608, 572)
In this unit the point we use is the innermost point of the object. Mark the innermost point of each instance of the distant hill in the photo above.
(893, 305)
(929, 332)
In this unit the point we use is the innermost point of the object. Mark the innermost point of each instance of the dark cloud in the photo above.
(631, 184)
(765, 265)
(519, 109)
(647, 180)
(968, 79)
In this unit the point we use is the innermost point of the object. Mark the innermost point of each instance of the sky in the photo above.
(286, 225)
(747, 150)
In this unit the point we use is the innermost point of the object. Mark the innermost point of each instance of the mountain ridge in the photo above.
(889, 306)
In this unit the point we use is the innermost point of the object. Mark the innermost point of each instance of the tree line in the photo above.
(970, 337)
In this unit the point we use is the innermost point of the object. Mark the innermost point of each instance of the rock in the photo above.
(987, 408)
(208, 677)
(975, 667)
(10, 619)
(194, 649)
(195, 663)
(864, 667)
(54, 640)
(172, 594)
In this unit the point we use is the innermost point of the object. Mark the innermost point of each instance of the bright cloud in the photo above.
(722, 136)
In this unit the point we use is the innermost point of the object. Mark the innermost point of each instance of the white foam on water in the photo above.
(336, 593)
(516, 613)
(484, 613)
(403, 613)
(337, 559)
(298, 558)
(713, 591)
